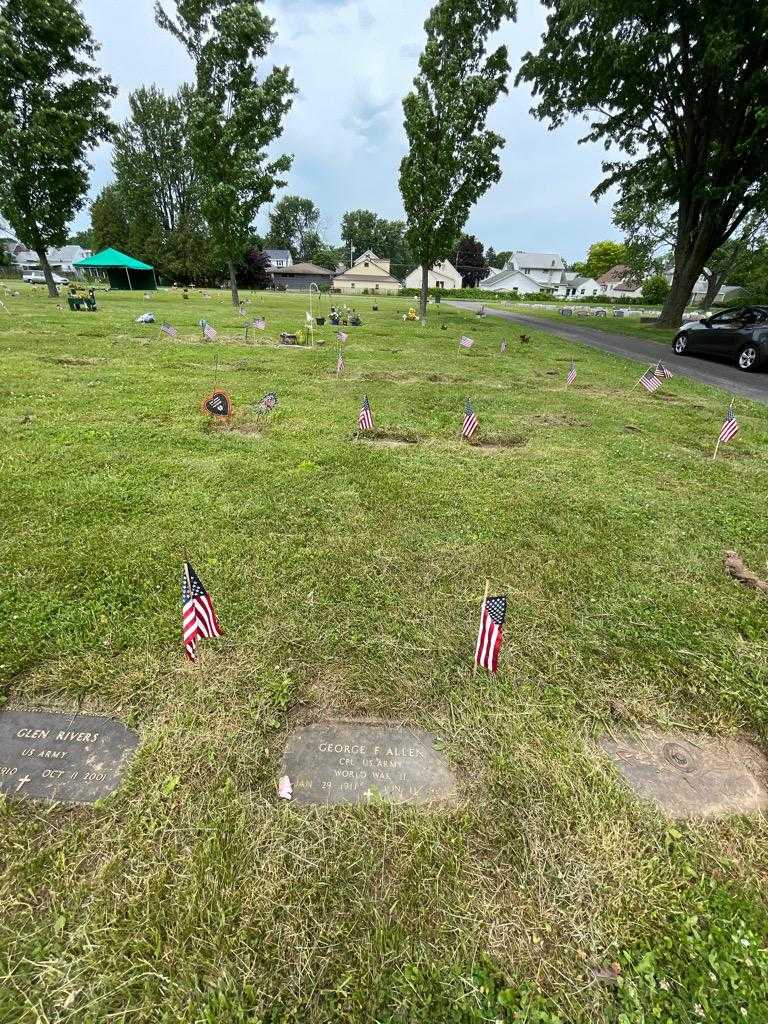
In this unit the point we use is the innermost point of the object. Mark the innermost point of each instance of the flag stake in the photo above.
(482, 606)
(714, 454)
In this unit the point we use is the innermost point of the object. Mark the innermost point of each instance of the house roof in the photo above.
(303, 268)
(112, 258)
(617, 273)
(67, 253)
(539, 260)
(505, 275)
(278, 254)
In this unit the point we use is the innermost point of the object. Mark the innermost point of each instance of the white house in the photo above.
(369, 273)
(574, 286)
(442, 275)
(618, 283)
(62, 259)
(511, 281)
(527, 273)
(279, 258)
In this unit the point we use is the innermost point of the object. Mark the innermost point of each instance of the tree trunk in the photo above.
(53, 291)
(714, 283)
(424, 291)
(692, 251)
(233, 283)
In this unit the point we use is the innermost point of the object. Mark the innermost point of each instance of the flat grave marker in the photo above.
(62, 756)
(345, 762)
(691, 776)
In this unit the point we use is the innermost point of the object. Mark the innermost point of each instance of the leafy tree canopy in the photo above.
(655, 289)
(53, 110)
(601, 257)
(293, 225)
(681, 91)
(235, 116)
(471, 262)
(453, 159)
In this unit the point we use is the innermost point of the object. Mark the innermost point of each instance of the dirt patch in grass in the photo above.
(245, 427)
(71, 360)
(498, 444)
(630, 429)
(385, 440)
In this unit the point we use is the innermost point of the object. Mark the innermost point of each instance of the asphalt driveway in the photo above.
(706, 371)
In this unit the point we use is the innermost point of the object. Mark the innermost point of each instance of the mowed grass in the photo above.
(347, 578)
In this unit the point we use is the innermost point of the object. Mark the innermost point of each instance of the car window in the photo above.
(728, 317)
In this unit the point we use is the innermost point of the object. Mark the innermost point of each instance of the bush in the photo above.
(655, 289)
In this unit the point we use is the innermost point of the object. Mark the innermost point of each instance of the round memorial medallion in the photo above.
(679, 757)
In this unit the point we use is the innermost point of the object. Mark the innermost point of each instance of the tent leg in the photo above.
(128, 275)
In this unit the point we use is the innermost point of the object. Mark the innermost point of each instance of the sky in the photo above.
(353, 61)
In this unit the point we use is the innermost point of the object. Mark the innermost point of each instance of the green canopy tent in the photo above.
(123, 271)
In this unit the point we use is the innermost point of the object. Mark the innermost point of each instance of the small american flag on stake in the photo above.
(466, 342)
(650, 381)
(489, 638)
(169, 329)
(469, 426)
(259, 323)
(571, 374)
(342, 336)
(729, 430)
(198, 619)
(209, 332)
(662, 372)
(365, 419)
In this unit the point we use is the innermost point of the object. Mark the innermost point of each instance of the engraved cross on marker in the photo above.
(23, 782)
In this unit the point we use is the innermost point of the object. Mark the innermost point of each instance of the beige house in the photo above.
(442, 275)
(367, 273)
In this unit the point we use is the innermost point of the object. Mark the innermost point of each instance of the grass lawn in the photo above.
(614, 325)
(347, 578)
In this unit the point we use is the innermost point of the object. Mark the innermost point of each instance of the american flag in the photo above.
(662, 372)
(269, 401)
(466, 342)
(198, 619)
(470, 421)
(365, 419)
(571, 373)
(209, 332)
(342, 336)
(169, 329)
(489, 638)
(730, 427)
(340, 364)
(650, 381)
(259, 323)
(310, 318)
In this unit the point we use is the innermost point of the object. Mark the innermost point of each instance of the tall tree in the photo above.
(53, 103)
(601, 257)
(364, 229)
(153, 160)
(293, 225)
(453, 159)
(682, 91)
(82, 238)
(109, 220)
(471, 262)
(490, 255)
(235, 116)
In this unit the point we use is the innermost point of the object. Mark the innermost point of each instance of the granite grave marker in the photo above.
(62, 756)
(344, 762)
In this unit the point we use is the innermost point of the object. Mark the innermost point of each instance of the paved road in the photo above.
(706, 371)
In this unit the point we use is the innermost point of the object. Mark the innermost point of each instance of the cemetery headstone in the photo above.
(691, 776)
(344, 762)
(62, 756)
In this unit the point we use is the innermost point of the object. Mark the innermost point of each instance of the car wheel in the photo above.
(748, 358)
(680, 345)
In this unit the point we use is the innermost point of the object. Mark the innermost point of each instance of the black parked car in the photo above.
(740, 334)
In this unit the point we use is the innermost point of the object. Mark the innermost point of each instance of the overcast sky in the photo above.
(353, 60)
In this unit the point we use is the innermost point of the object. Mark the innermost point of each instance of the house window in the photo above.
(440, 284)
(377, 285)
(366, 263)
(351, 284)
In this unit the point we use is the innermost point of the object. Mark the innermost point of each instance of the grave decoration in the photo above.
(346, 762)
(59, 756)
(268, 402)
(218, 403)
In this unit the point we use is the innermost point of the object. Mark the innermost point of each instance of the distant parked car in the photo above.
(740, 334)
(37, 277)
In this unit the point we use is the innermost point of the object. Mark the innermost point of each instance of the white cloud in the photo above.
(353, 60)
